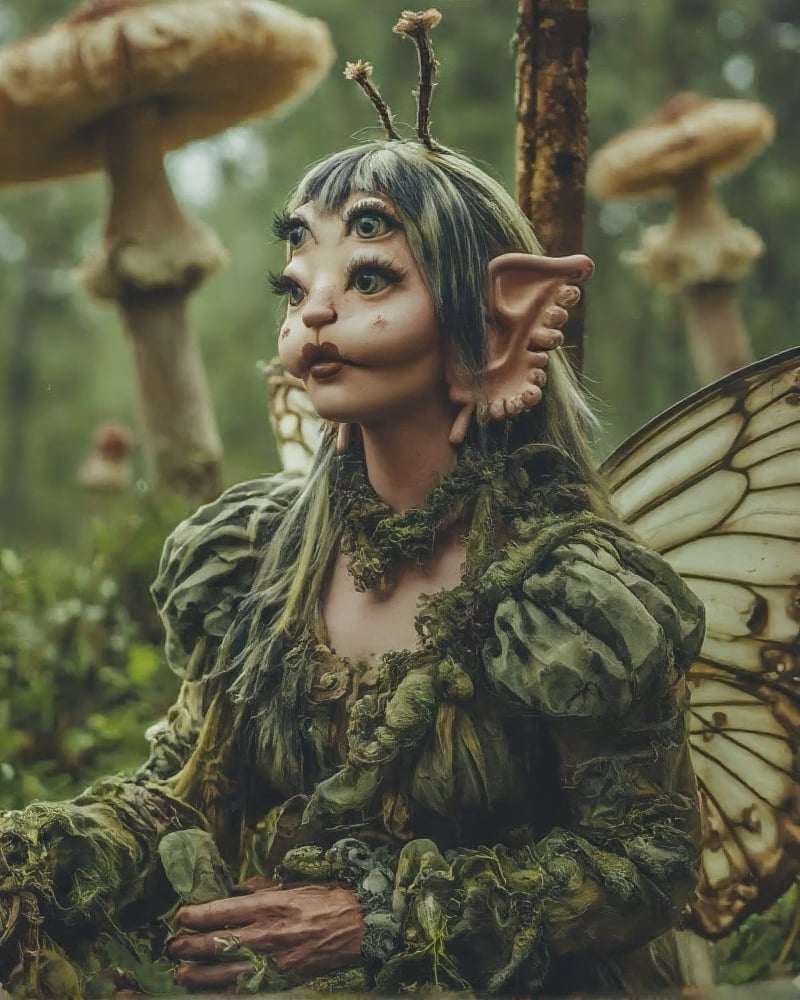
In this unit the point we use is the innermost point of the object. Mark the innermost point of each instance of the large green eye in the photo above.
(294, 292)
(368, 225)
(369, 282)
(297, 236)
(282, 284)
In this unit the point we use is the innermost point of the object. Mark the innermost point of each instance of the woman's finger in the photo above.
(204, 977)
(233, 911)
(216, 945)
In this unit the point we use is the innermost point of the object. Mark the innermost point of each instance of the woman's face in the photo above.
(360, 328)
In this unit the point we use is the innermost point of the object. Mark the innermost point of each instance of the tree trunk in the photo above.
(552, 131)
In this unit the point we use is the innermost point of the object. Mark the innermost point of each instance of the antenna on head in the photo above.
(361, 72)
(416, 25)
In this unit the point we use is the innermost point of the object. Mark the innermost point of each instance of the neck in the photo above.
(406, 459)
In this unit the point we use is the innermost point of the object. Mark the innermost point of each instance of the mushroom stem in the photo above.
(695, 202)
(180, 435)
(143, 205)
(718, 339)
(701, 252)
(153, 255)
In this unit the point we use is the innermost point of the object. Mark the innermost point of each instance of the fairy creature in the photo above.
(434, 699)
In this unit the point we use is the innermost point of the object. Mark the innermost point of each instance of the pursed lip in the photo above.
(322, 360)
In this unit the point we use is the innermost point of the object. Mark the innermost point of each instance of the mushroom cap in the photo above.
(687, 134)
(205, 64)
(113, 441)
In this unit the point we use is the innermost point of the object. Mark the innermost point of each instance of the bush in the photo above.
(82, 674)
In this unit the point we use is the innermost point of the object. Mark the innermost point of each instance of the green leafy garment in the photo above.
(521, 777)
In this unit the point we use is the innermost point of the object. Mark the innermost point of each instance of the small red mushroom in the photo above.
(107, 467)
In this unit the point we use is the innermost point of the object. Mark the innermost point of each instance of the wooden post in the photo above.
(552, 44)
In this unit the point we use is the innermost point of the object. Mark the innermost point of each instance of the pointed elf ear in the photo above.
(527, 303)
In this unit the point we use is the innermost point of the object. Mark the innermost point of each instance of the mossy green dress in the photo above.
(522, 776)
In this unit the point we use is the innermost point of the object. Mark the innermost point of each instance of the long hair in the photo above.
(456, 219)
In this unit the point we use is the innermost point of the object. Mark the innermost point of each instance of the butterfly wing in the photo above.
(713, 483)
(295, 425)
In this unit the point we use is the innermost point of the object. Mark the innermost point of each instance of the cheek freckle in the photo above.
(284, 333)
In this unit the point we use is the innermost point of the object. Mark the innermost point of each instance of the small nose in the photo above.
(319, 309)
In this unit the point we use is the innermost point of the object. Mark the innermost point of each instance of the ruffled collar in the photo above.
(481, 493)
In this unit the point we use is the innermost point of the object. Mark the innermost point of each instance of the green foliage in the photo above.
(130, 968)
(65, 361)
(756, 949)
(81, 670)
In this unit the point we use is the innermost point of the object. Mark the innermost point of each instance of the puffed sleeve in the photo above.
(593, 637)
(207, 567)
(601, 626)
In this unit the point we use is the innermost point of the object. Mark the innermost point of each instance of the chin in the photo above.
(333, 403)
(335, 414)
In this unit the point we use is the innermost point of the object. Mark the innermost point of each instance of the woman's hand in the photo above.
(311, 929)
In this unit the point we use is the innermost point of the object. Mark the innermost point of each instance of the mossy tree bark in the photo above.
(552, 44)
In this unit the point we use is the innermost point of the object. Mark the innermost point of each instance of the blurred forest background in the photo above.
(81, 670)
(64, 361)
(81, 673)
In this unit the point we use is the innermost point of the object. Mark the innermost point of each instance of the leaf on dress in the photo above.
(194, 867)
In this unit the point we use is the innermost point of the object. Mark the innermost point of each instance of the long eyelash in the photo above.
(284, 224)
(280, 283)
(379, 265)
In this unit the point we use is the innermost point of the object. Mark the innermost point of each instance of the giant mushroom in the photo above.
(114, 86)
(700, 252)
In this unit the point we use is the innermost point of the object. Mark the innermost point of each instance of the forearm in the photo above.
(635, 839)
(494, 920)
(92, 856)
(620, 875)
(600, 903)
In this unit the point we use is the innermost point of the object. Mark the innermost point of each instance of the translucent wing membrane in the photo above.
(714, 484)
(295, 425)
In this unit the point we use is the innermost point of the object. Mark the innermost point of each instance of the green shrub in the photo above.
(766, 946)
(82, 673)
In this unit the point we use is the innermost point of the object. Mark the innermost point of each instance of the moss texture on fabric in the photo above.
(523, 771)
(78, 870)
